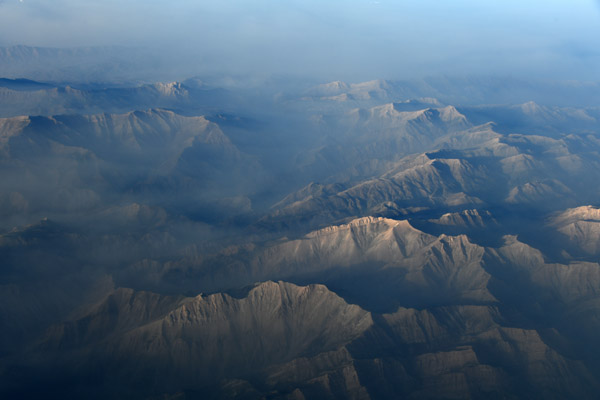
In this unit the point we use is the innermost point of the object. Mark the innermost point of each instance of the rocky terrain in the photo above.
(366, 240)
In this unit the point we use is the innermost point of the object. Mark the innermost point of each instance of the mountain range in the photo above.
(386, 239)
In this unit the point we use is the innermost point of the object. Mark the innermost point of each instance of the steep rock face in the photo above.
(121, 311)
(583, 213)
(462, 352)
(537, 191)
(404, 313)
(544, 372)
(77, 162)
(366, 239)
(141, 134)
(563, 299)
(469, 138)
(570, 283)
(478, 224)
(23, 97)
(306, 342)
(196, 340)
(432, 327)
(275, 322)
(426, 183)
(467, 219)
(498, 171)
(581, 226)
(391, 120)
(395, 262)
(313, 372)
(372, 138)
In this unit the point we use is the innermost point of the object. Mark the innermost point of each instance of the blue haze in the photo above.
(353, 40)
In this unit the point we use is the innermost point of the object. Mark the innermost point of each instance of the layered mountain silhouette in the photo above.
(433, 239)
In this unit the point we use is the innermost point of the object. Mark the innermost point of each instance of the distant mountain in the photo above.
(464, 91)
(467, 219)
(367, 140)
(23, 84)
(77, 64)
(341, 91)
(581, 227)
(532, 118)
(22, 97)
(500, 170)
(90, 157)
(430, 239)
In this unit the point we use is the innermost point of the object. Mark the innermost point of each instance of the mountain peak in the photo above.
(450, 113)
(330, 89)
(531, 108)
(472, 218)
(361, 222)
(171, 89)
(583, 213)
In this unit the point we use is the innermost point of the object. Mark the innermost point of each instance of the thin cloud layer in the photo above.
(336, 39)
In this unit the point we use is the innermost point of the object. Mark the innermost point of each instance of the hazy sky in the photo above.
(360, 39)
